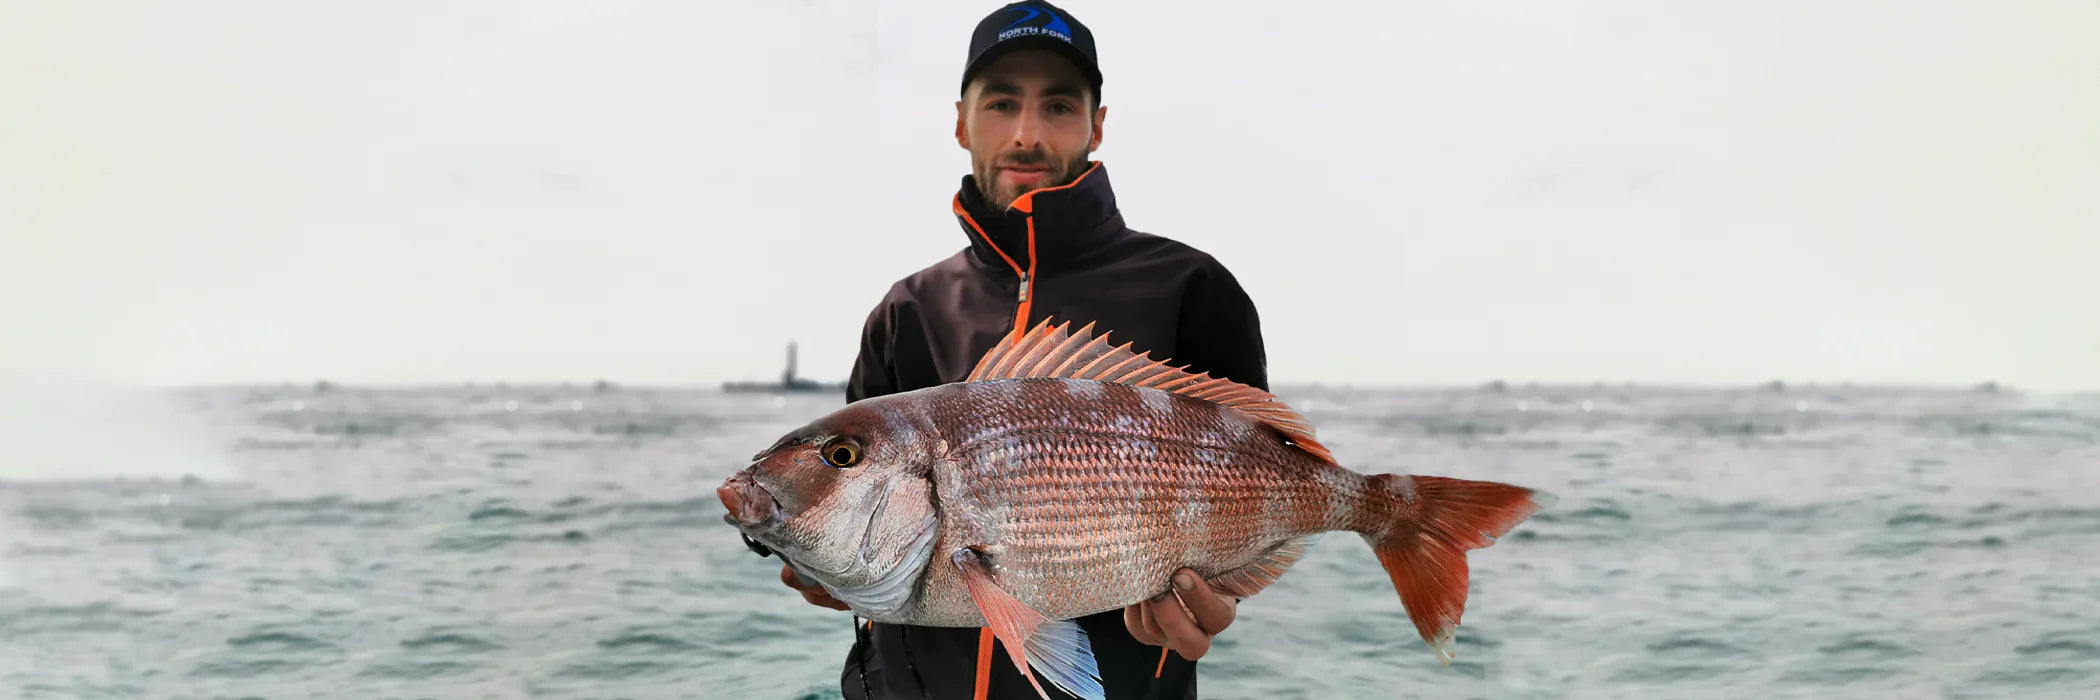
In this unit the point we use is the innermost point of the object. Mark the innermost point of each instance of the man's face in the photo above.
(1029, 122)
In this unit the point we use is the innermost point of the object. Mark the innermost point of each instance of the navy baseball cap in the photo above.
(1032, 24)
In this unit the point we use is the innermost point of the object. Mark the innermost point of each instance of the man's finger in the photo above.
(1134, 620)
(820, 597)
(1148, 632)
(1153, 635)
(1183, 636)
(814, 595)
(1213, 612)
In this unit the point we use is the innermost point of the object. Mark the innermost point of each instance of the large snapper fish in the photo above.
(1066, 477)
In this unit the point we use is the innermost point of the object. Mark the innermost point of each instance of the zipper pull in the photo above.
(1024, 286)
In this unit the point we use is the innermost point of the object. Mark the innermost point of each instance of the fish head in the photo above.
(846, 500)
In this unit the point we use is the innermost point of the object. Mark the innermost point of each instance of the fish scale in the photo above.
(1067, 477)
(1055, 488)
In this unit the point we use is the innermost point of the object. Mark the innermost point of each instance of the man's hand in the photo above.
(816, 595)
(1183, 619)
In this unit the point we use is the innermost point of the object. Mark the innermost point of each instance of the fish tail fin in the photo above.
(1433, 522)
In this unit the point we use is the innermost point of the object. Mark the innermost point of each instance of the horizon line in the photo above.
(829, 388)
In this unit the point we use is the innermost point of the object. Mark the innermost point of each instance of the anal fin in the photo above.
(1057, 648)
(1250, 579)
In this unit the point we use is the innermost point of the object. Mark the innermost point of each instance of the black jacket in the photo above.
(1170, 299)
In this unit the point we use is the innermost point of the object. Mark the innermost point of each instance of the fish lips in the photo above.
(750, 506)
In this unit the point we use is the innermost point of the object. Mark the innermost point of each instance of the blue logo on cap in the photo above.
(1055, 27)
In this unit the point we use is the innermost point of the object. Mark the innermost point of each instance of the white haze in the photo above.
(76, 429)
(395, 191)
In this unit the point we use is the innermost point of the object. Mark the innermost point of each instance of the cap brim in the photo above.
(1051, 44)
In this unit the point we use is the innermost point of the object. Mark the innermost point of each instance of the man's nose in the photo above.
(1028, 130)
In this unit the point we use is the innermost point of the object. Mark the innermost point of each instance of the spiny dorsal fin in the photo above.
(1053, 352)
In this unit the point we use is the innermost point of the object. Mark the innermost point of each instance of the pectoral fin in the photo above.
(1057, 648)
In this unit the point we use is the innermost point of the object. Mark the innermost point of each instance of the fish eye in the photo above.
(840, 452)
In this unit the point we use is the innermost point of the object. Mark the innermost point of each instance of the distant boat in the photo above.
(788, 384)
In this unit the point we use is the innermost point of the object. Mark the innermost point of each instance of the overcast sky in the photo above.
(1413, 192)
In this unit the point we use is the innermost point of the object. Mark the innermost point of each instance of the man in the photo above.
(1045, 241)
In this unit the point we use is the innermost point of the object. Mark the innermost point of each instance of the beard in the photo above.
(1000, 194)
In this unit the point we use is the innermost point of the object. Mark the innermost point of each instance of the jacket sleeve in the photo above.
(874, 373)
(1220, 329)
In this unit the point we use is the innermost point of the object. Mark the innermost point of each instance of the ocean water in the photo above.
(565, 542)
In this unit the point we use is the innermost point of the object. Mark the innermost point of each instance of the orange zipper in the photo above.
(1026, 204)
(1027, 276)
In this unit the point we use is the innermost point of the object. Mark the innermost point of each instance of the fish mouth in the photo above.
(749, 505)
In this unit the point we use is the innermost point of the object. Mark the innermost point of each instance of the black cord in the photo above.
(861, 668)
(904, 635)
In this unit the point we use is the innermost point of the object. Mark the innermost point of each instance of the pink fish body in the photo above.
(1067, 477)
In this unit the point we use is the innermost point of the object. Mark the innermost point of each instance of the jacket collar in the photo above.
(1070, 221)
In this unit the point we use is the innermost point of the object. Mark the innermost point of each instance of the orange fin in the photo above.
(1056, 648)
(1250, 579)
(1054, 352)
(1425, 554)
